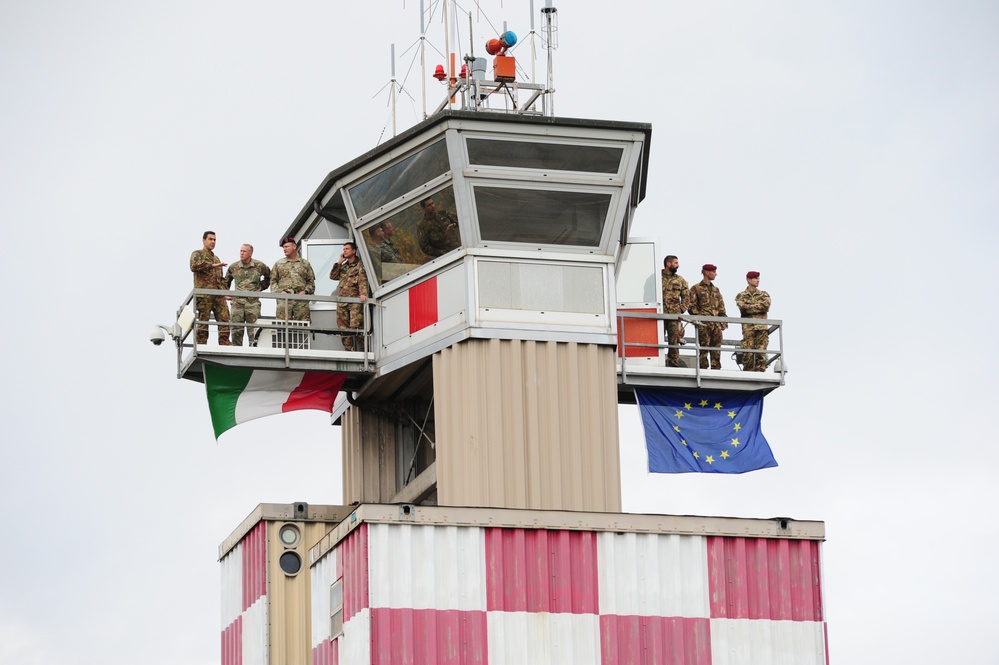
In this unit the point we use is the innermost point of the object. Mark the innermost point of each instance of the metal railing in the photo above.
(283, 329)
(773, 357)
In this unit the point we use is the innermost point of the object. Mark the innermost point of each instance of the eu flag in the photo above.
(696, 431)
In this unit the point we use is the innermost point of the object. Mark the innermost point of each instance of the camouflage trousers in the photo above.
(709, 334)
(754, 337)
(244, 311)
(297, 309)
(673, 332)
(208, 306)
(350, 316)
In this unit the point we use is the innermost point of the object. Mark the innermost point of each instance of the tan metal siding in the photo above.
(525, 424)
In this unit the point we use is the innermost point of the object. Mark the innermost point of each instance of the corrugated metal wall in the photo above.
(525, 424)
(244, 600)
(464, 595)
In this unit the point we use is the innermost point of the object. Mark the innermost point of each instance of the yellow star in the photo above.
(709, 459)
(735, 442)
(678, 414)
(687, 406)
(731, 414)
(696, 456)
(676, 428)
(724, 454)
(737, 427)
(717, 405)
(704, 402)
(683, 441)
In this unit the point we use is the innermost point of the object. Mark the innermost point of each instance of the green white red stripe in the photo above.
(237, 395)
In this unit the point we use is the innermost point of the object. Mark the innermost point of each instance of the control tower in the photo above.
(511, 312)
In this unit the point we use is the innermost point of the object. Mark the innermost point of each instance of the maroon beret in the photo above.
(752, 274)
(288, 239)
(709, 266)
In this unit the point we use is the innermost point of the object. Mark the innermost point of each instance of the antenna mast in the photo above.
(551, 34)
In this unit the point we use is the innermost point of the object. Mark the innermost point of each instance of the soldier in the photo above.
(292, 274)
(207, 271)
(706, 300)
(675, 299)
(390, 253)
(754, 304)
(249, 274)
(437, 232)
(353, 283)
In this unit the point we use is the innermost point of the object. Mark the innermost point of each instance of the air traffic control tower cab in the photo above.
(490, 242)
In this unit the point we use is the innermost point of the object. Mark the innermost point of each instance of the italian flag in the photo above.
(237, 395)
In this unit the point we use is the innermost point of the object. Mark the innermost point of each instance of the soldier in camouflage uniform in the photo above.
(706, 300)
(437, 232)
(754, 304)
(249, 274)
(390, 253)
(676, 296)
(207, 271)
(292, 274)
(353, 283)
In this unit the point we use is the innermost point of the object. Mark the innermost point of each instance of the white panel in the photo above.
(648, 574)
(232, 585)
(395, 317)
(255, 637)
(451, 296)
(541, 638)
(637, 271)
(322, 574)
(765, 642)
(541, 287)
(354, 646)
(427, 567)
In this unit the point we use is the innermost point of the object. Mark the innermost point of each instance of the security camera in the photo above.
(157, 336)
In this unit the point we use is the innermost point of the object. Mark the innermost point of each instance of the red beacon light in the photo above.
(439, 73)
(464, 72)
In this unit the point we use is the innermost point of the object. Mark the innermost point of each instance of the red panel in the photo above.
(353, 551)
(647, 640)
(423, 305)
(638, 331)
(764, 578)
(428, 637)
(232, 643)
(254, 564)
(535, 570)
(325, 653)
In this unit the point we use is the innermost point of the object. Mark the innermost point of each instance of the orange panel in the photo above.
(504, 68)
(638, 331)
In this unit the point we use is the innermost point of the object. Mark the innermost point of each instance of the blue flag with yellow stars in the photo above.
(690, 431)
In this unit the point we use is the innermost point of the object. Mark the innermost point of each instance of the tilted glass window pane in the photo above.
(399, 178)
(414, 235)
(547, 156)
(544, 217)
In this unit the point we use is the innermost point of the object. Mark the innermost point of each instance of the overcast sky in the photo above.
(846, 150)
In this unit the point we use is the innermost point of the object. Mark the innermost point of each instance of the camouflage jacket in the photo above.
(205, 276)
(255, 276)
(353, 280)
(293, 276)
(433, 235)
(389, 252)
(706, 300)
(753, 304)
(676, 293)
